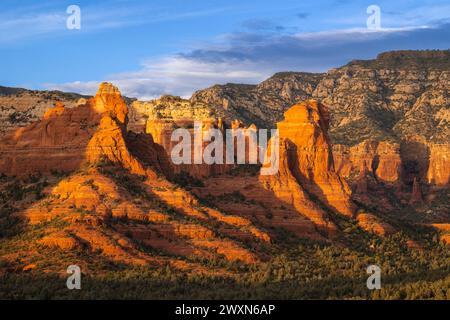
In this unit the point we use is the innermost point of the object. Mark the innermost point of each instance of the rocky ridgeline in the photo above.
(382, 125)
(399, 101)
(20, 107)
(398, 94)
(261, 104)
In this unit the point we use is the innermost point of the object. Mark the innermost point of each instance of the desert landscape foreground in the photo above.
(363, 180)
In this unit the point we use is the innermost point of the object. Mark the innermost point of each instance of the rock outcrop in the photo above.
(416, 194)
(386, 100)
(373, 224)
(398, 94)
(438, 173)
(306, 168)
(381, 159)
(395, 163)
(66, 139)
(56, 143)
(20, 107)
(261, 104)
(361, 182)
(162, 131)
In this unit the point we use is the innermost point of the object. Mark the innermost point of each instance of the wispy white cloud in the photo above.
(172, 75)
(421, 15)
(402, 15)
(362, 32)
(28, 26)
(25, 23)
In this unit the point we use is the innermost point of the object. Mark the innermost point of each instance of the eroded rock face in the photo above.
(398, 94)
(387, 164)
(245, 197)
(162, 129)
(66, 139)
(310, 155)
(108, 143)
(20, 107)
(395, 163)
(108, 100)
(438, 169)
(287, 188)
(58, 142)
(306, 168)
(167, 108)
(262, 104)
(416, 195)
(382, 159)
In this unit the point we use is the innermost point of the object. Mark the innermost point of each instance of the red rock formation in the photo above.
(349, 161)
(65, 139)
(388, 168)
(286, 187)
(108, 100)
(258, 203)
(387, 161)
(380, 158)
(162, 131)
(306, 168)
(416, 195)
(373, 224)
(361, 182)
(309, 155)
(57, 110)
(438, 173)
(57, 142)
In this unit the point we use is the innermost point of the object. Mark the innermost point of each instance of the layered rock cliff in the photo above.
(382, 159)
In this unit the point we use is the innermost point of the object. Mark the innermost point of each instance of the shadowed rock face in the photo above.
(311, 158)
(161, 131)
(416, 195)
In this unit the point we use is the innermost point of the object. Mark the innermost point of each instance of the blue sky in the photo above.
(155, 47)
